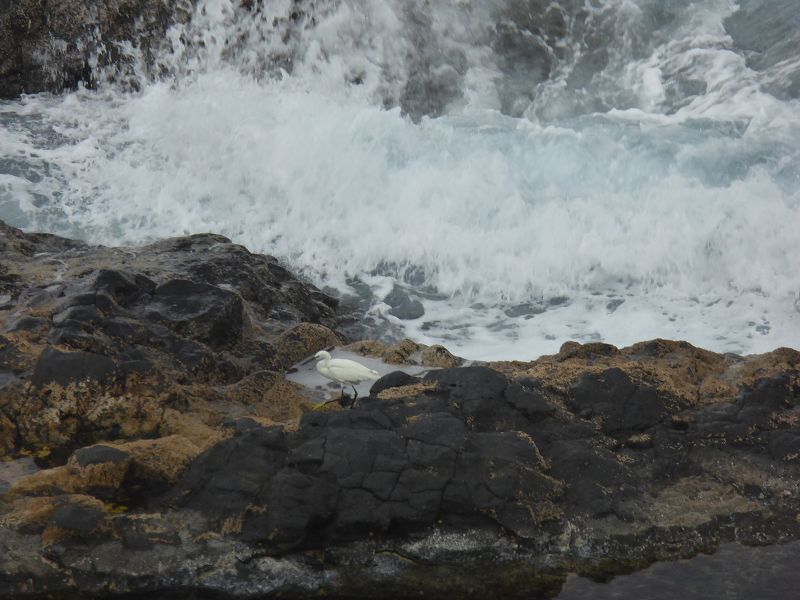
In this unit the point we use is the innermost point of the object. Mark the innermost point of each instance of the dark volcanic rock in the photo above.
(63, 368)
(392, 380)
(128, 342)
(477, 390)
(376, 468)
(529, 398)
(78, 518)
(212, 475)
(403, 306)
(622, 405)
(204, 312)
(494, 483)
(48, 46)
(99, 454)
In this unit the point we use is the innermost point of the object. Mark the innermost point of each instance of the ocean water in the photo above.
(733, 572)
(531, 171)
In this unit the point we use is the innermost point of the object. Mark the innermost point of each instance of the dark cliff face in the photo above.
(52, 45)
(151, 381)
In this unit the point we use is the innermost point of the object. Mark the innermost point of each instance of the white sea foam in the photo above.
(645, 210)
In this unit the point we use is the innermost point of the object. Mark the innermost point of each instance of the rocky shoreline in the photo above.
(173, 457)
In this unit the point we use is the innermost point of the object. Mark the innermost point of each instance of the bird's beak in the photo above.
(312, 359)
(308, 360)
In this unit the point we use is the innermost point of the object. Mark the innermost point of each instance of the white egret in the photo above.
(344, 371)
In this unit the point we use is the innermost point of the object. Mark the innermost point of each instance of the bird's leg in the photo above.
(340, 400)
(355, 396)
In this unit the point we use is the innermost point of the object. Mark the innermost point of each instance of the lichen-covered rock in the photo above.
(372, 348)
(265, 394)
(55, 517)
(678, 369)
(403, 352)
(439, 357)
(173, 338)
(303, 341)
(113, 471)
(7, 435)
(406, 352)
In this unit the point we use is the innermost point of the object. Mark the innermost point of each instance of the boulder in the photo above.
(393, 380)
(65, 368)
(403, 306)
(439, 357)
(200, 311)
(56, 517)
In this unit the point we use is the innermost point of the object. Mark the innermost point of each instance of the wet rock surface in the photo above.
(49, 45)
(403, 306)
(171, 338)
(188, 468)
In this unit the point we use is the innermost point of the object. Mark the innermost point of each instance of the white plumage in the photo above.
(344, 371)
